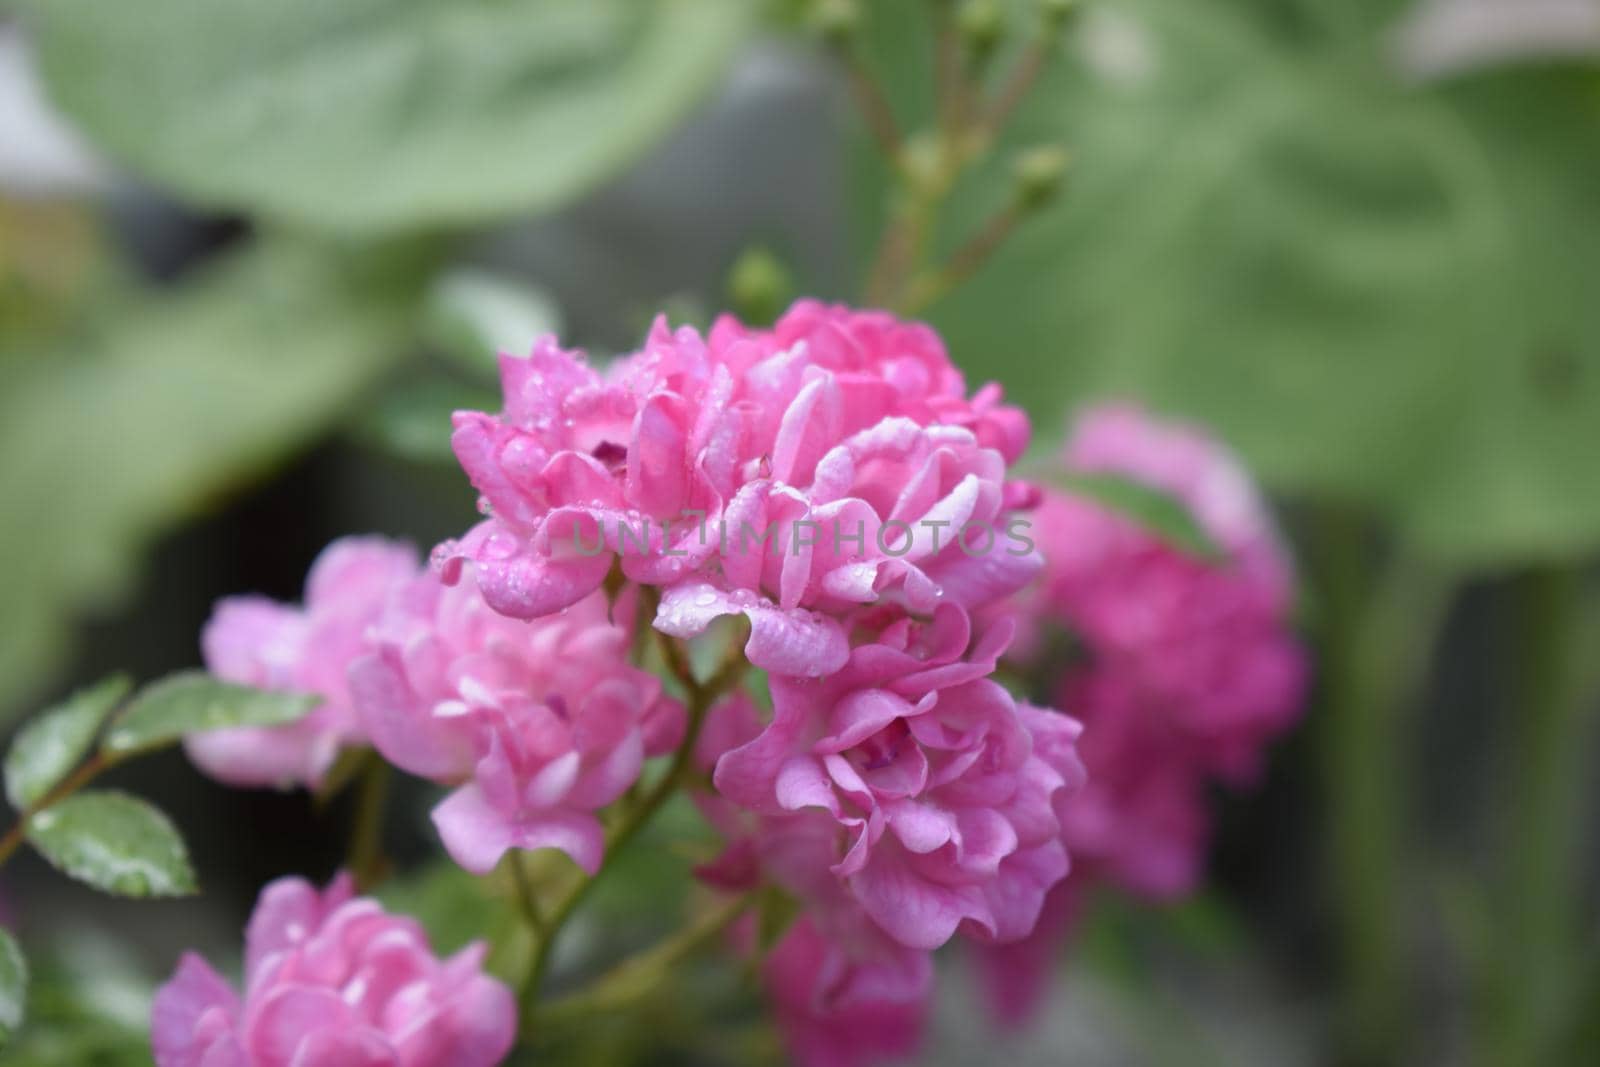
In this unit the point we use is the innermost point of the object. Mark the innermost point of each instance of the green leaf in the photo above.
(193, 701)
(1381, 292)
(114, 842)
(371, 114)
(453, 906)
(45, 750)
(473, 316)
(412, 420)
(776, 911)
(1159, 513)
(163, 405)
(13, 986)
(89, 1001)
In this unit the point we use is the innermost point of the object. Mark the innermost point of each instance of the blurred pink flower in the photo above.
(334, 981)
(256, 641)
(1202, 649)
(788, 475)
(540, 724)
(839, 1005)
(942, 791)
(1187, 668)
(843, 991)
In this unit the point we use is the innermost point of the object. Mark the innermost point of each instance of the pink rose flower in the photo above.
(1204, 647)
(1189, 669)
(540, 724)
(256, 641)
(1196, 468)
(788, 475)
(1142, 821)
(1014, 977)
(843, 992)
(901, 366)
(835, 1010)
(943, 791)
(332, 980)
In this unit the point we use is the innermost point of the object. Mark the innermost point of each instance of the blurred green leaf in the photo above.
(1381, 292)
(119, 431)
(412, 420)
(1161, 514)
(473, 316)
(114, 842)
(370, 114)
(88, 1004)
(457, 908)
(13, 986)
(193, 701)
(45, 750)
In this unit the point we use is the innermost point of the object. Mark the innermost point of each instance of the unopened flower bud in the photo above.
(1039, 173)
(1057, 13)
(982, 24)
(759, 285)
(836, 20)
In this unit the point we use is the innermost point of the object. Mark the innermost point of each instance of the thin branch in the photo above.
(950, 79)
(527, 896)
(1018, 84)
(701, 697)
(91, 769)
(677, 662)
(640, 975)
(872, 102)
(366, 859)
(965, 261)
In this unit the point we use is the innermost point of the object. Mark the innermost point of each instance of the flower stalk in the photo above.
(1541, 915)
(87, 772)
(1379, 635)
(367, 861)
(926, 167)
(640, 975)
(636, 815)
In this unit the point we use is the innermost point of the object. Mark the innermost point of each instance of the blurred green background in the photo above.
(252, 255)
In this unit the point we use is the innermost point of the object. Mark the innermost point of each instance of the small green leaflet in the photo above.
(48, 748)
(13, 986)
(114, 842)
(1160, 513)
(194, 701)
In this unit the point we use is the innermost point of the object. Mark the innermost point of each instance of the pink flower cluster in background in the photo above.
(1183, 669)
(332, 980)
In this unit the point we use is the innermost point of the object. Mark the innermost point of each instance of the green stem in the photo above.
(1378, 641)
(874, 105)
(638, 976)
(366, 859)
(637, 816)
(966, 261)
(1540, 922)
(527, 896)
(1018, 85)
(87, 772)
(950, 79)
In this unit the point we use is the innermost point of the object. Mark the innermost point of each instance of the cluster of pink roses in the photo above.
(332, 980)
(830, 481)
